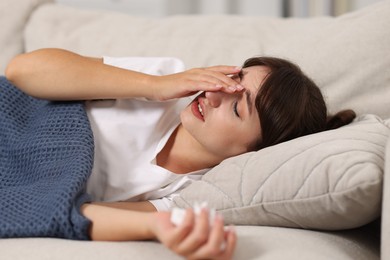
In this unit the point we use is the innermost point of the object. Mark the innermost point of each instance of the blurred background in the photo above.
(278, 8)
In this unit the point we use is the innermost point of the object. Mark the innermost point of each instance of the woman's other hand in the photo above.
(191, 81)
(195, 238)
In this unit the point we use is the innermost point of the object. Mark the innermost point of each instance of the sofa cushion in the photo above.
(265, 243)
(385, 235)
(14, 14)
(328, 181)
(348, 56)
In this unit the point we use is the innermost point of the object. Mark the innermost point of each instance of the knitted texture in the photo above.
(46, 156)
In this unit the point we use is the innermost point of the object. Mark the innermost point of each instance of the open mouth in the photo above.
(200, 109)
(197, 110)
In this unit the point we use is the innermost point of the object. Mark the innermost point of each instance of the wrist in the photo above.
(151, 227)
(150, 86)
(137, 85)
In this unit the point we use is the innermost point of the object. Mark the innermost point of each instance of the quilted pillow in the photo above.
(328, 181)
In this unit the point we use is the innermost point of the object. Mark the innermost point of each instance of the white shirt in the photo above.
(128, 136)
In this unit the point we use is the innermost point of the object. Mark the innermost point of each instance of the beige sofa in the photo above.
(348, 56)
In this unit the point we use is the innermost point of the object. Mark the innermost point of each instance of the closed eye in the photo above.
(235, 109)
(238, 77)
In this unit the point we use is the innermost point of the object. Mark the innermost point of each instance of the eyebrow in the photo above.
(249, 102)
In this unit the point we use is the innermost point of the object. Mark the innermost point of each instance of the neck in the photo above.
(183, 154)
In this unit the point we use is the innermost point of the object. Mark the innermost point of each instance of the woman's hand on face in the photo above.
(191, 81)
(195, 238)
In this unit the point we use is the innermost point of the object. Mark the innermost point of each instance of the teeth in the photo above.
(200, 109)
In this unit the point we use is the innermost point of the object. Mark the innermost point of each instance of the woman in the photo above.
(266, 102)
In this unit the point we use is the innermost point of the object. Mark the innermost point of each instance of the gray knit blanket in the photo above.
(46, 156)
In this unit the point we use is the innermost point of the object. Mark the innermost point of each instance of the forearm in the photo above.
(62, 75)
(57, 74)
(194, 238)
(112, 224)
(144, 206)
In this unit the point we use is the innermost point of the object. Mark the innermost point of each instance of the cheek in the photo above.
(228, 140)
(223, 145)
(239, 139)
(223, 139)
(219, 135)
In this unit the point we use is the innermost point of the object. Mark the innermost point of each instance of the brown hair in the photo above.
(290, 104)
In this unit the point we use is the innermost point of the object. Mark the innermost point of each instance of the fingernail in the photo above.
(238, 68)
(239, 87)
(232, 88)
(218, 86)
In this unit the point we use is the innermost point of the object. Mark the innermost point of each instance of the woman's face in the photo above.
(226, 124)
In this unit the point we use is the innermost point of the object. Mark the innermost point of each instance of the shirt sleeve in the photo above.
(163, 204)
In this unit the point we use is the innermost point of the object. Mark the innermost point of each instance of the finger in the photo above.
(223, 79)
(197, 237)
(204, 86)
(188, 224)
(217, 82)
(230, 243)
(216, 245)
(214, 76)
(182, 230)
(196, 86)
(225, 69)
(217, 235)
(232, 89)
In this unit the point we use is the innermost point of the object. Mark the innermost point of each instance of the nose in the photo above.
(214, 98)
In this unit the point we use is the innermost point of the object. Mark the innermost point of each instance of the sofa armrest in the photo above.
(385, 233)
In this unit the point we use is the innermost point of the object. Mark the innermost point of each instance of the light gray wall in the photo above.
(158, 8)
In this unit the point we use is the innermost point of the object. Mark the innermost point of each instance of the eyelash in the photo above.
(240, 76)
(235, 109)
